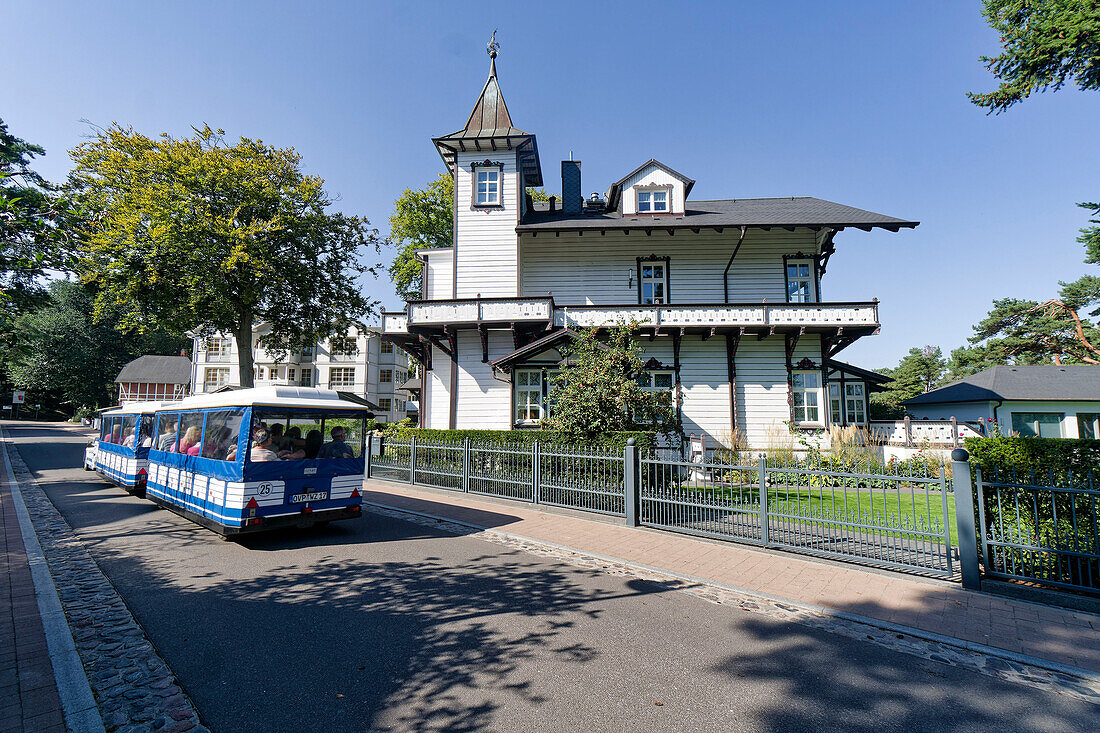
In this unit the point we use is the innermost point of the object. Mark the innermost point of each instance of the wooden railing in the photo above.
(914, 433)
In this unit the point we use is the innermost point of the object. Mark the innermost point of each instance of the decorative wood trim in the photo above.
(500, 183)
(732, 341)
(484, 334)
(814, 278)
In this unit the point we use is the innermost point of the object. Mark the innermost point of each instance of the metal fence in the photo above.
(589, 479)
(895, 519)
(1040, 527)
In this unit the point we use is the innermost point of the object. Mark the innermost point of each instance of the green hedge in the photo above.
(608, 441)
(1060, 456)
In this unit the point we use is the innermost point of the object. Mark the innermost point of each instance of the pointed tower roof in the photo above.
(489, 128)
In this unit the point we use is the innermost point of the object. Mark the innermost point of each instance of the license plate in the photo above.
(311, 496)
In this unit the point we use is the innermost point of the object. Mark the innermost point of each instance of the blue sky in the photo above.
(857, 102)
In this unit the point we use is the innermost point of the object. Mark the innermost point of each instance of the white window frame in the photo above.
(306, 378)
(523, 391)
(491, 177)
(653, 280)
(807, 279)
(386, 347)
(342, 382)
(817, 392)
(836, 404)
(218, 348)
(221, 375)
(648, 199)
(291, 375)
(855, 403)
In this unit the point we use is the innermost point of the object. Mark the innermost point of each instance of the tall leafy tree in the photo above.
(424, 219)
(32, 231)
(1046, 43)
(598, 389)
(421, 219)
(66, 359)
(919, 371)
(195, 233)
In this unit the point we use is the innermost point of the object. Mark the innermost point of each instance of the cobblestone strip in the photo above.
(134, 688)
(1007, 669)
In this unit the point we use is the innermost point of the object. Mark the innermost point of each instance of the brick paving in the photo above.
(133, 687)
(932, 607)
(28, 690)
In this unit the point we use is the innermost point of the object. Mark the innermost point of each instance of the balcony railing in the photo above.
(218, 358)
(762, 315)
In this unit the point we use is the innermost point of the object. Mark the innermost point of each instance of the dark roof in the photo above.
(802, 211)
(157, 370)
(490, 128)
(411, 385)
(616, 187)
(867, 374)
(1043, 382)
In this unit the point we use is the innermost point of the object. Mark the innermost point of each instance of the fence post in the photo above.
(964, 518)
(370, 452)
(762, 464)
(535, 472)
(954, 432)
(466, 465)
(412, 460)
(630, 482)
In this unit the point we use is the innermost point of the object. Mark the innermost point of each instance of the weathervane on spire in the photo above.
(492, 46)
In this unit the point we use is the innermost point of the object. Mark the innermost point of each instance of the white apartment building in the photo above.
(360, 363)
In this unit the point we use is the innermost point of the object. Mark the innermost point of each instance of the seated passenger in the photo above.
(166, 441)
(191, 442)
(278, 440)
(116, 433)
(336, 448)
(128, 441)
(216, 443)
(313, 443)
(146, 437)
(261, 447)
(293, 447)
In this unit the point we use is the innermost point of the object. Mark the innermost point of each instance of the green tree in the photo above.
(424, 219)
(421, 219)
(598, 389)
(66, 359)
(32, 232)
(193, 233)
(918, 371)
(1045, 44)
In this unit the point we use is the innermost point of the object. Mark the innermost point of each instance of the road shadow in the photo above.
(814, 674)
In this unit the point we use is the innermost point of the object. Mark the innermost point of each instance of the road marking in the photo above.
(77, 701)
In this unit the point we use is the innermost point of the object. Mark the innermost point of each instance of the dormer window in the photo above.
(653, 201)
(487, 182)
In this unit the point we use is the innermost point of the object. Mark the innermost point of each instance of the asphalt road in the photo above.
(380, 624)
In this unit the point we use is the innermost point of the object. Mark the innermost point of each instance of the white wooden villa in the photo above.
(729, 292)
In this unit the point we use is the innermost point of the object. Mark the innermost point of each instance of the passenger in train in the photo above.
(116, 434)
(128, 441)
(146, 436)
(261, 447)
(336, 448)
(292, 448)
(191, 442)
(217, 440)
(166, 441)
(313, 443)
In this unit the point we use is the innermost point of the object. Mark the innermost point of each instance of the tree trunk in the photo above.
(243, 334)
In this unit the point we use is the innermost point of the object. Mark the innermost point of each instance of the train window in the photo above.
(190, 433)
(167, 431)
(104, 428)
(114, 430)
(304, 436)
(313, 434)
(128, 432)
(222, 430)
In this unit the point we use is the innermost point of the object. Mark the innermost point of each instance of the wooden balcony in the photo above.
(763, 318)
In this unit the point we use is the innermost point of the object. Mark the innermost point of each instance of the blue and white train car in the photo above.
(121, 453)
(214, 458)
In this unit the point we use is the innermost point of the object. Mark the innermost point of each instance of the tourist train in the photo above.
(247, 460)
(121, 452)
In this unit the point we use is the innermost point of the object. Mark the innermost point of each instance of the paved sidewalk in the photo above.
(1061, 636)
(28, 690)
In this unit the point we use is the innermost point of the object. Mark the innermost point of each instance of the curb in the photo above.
(77, 702)
(990, 651)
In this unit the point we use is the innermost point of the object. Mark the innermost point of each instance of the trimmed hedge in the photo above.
(1036, 455)
(608, 441)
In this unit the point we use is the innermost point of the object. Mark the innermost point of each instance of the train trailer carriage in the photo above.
(256, 459)
(121, 452)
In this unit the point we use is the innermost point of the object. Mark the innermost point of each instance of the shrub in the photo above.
(1054, 458)
(605, 441)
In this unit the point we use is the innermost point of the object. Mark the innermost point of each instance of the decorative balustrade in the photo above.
(910, 432)
(717, 315)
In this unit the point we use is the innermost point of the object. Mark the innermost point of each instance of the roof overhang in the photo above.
(490, 141)
(682, 224)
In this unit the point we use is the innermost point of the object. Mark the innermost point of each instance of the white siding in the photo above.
(761, 388)
(652, 176)
(440, 267)
(483, 402)
(596, 269)
(488, 257)
(704, 380)
(437, 385)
